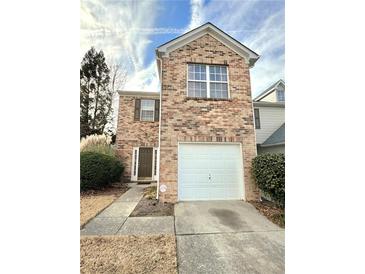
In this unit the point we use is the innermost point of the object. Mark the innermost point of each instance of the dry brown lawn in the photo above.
(93, 202)
(128, 254)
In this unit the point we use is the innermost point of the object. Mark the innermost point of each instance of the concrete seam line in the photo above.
(232, 232)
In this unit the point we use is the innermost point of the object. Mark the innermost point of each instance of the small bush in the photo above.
(269, 173)
(98, 170)
(97, 143)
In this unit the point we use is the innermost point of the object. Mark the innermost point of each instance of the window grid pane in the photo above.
(218, 90)
(197, 72)
(197, 89)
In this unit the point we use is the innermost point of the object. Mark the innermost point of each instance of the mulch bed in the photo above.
(149, 206)
(271, 211)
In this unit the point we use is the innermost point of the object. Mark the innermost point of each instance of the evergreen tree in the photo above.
(96, 96)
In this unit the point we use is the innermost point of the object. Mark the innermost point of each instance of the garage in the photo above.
(209, 171)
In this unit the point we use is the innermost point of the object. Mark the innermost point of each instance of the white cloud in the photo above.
(197, 17)
(121, 29)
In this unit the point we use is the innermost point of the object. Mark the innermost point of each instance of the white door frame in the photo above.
(135, 163)
(212, 143)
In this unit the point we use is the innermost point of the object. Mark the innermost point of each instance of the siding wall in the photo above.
(270, 98)
(271, 149)
(271, 118)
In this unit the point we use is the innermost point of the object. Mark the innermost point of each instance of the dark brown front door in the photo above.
(145, 162)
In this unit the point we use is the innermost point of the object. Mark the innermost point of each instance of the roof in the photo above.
(250, 56)
(268, 104)
(277, 138)
(144, 94)
(268, 90)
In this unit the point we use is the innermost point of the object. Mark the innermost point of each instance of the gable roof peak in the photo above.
(269, 90)
(249, 55)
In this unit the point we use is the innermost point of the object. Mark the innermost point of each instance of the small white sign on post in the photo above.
(163, 188)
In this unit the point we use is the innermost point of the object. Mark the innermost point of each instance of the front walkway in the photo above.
(115, 220)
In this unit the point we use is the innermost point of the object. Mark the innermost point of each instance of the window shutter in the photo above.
(157, 110)
(257, 118)
(137, 109)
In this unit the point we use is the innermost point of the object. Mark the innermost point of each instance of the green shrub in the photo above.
(269, 173)
(98, 170)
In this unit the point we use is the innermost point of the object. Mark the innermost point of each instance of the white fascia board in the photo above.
(144, 94)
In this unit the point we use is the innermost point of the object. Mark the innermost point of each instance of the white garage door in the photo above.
(210, 172)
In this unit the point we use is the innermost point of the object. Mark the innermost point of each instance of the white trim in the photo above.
(159, 134)
(208, 80)
(214, 143)
(155, 155)
(250, 56)
(143, 94)
(134, 173)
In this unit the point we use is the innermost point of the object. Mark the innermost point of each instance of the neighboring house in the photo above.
(269, 113)
(196, 136)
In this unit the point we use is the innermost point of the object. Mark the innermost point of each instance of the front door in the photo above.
(145, 163)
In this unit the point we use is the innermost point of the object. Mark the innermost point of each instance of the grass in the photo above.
(150, 192)
(271, 211)
(93, 202)
(128, 254)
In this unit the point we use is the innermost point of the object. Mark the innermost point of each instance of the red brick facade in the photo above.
(204, 120)
(131, 133)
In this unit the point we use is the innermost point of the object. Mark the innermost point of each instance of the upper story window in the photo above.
(147, 110)
(280, 95)
(257, 118)
(207, 81)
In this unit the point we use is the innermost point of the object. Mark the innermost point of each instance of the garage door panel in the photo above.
(210, 172)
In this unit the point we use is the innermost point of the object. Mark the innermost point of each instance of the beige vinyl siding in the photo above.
(271, 118)
(270, 98)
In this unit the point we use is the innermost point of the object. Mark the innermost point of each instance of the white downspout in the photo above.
(159, 126)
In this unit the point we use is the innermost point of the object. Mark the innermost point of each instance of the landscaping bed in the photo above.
(128, 254)
(93, 202)
(271, 211)
(149, 206)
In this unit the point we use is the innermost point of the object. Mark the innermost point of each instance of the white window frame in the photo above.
(207, 80)
(140, 113)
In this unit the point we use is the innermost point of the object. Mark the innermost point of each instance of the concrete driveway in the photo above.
(227, 237)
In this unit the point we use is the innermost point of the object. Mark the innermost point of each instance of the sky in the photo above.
(129, 31)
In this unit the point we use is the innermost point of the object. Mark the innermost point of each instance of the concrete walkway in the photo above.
(227, 237)
(111, 219)
(115, 220)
